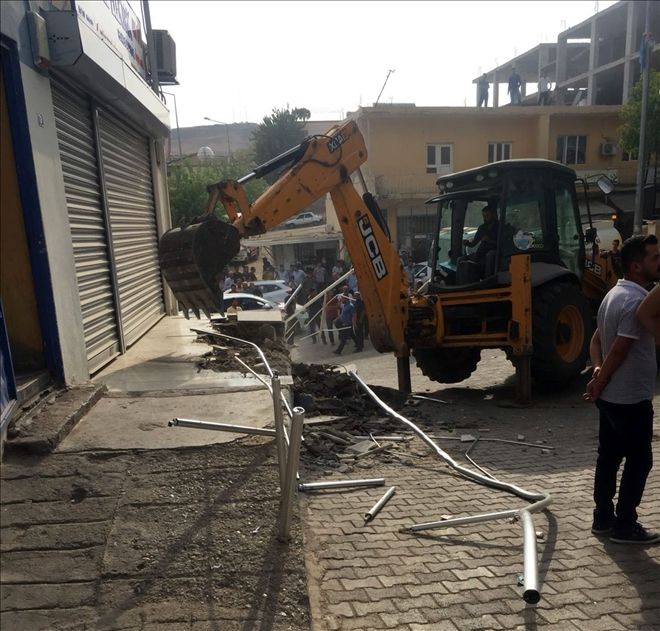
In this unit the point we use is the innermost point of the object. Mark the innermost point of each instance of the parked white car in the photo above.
(250, 302)
(304, 219)
(274, 290)
(247, 302)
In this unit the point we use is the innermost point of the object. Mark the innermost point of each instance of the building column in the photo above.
(631, 47)
(560, 69)
(496, 91)
(593, 54)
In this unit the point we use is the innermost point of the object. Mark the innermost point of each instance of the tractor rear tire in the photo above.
(561, 332)
(447, 365)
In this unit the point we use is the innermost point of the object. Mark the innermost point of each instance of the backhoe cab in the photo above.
(478, 285)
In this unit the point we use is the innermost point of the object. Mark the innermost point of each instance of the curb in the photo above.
(44, 430)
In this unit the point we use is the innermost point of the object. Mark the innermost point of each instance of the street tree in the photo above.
(631, 114)
(283, 129)
(187, 180)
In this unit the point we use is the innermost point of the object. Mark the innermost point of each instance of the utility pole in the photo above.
(641, 154)
(384, 84)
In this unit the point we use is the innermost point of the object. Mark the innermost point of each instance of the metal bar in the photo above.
(290, 482)
(280, 436)
(220, 427)
(375, 509)
(495, 440)
(340, 484)
(530, 568)
(423, 398)
(467, 455)
(459, 521)
(641, 153)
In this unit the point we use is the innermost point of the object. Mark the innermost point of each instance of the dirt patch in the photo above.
(183, 536)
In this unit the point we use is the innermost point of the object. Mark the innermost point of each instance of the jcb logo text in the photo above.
(371, 246)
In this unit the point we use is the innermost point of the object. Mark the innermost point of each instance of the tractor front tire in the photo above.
(447, 365)
(561, 332)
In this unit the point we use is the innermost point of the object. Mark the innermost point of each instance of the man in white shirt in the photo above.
(544, 90)
(623, 384)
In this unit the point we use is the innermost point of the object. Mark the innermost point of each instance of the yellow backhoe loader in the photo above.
(531, 294)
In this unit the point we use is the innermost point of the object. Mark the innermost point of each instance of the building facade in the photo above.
(84, 191)
(409, 147)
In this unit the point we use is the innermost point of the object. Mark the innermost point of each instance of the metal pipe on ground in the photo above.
(220, 427)
(541, 500)
(340, 484)
(376, 508)
(289, 490)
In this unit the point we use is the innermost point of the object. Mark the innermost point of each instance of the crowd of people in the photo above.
(338, 314)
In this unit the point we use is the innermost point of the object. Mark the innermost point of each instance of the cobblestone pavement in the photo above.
(374, 577)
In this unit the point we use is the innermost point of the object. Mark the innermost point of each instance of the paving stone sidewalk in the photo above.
(374, 577)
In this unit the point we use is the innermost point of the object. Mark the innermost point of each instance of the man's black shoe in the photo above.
(635, 534)
(337, 352)
(602, 525)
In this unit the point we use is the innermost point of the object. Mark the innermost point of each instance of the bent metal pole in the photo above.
(540, 501)
(289, 411)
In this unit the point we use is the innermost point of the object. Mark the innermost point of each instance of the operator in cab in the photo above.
(486, 237)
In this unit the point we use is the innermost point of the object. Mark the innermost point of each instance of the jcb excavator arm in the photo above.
(320, 165)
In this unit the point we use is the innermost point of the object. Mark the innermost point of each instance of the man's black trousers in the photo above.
(625, 432)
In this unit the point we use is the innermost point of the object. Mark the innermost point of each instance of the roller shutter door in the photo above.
(127, 179)
(74, 120)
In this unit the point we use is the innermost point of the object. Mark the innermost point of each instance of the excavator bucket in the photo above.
(192, 259)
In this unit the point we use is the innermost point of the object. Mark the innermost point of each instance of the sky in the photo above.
(236, 61)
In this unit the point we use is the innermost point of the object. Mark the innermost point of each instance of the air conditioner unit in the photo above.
(165, 57)
(608, 149)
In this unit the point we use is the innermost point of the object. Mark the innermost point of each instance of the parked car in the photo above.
(304, 219)
(274, 290)
(250, 302)
(247, 302)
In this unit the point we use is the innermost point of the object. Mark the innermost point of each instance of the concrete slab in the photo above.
(141, 423)
(164, 361)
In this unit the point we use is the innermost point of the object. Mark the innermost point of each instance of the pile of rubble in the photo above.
(344, 428)
(224, 353)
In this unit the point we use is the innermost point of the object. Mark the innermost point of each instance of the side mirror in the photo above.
(605, 184)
